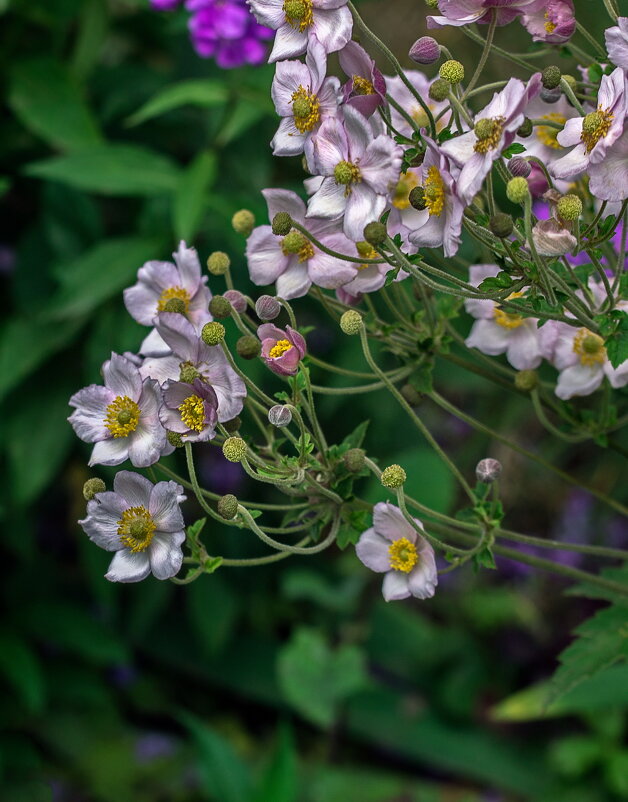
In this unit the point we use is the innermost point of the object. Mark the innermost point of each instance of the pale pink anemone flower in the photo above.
(366, 88)
(466, 12)
(499, 331)
(282, 351)
(299, 22)
(593, 135)
(617, 43)
(190, 410)
(303, 98)
(121, 418)
(552, 21)
(358, 170)
(495, 128)
(408, 102)
(293, 263)
(140, 522)
(393, 547)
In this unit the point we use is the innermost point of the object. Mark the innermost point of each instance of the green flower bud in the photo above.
(375, 233)
(569, 207)
(93, 486)
(412, 396)
(248, 347)
(526, 128)
(526, 380)
(501, 225)
(174, 438)
(417, 198)
(452, 71)
(517, 190)
(243, 222)
(393, 476)
(213, 333)
(354, 460)
(175, 305)
(227, 507)
(219, 307)
(233, 425)
(351, 322)
(234, 449)
(218, 263)
(282, 224)
(439, 90)
(187, 373)
(550, 77)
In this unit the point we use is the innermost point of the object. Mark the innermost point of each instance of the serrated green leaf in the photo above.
(195, 92)
(512, 150)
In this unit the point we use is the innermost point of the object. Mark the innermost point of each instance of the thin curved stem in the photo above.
(275, 544)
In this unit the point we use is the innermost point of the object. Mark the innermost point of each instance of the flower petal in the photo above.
(134, 488)
(396, 586)
(122, 377)
(372, 550)
(165, 554)
(165, 498)
(388, 521)
(103, 518)
(128, 567)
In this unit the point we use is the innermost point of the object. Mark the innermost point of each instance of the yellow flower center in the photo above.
(547, 134)
(549, 26)
(434, 189)
(406, 183)
(136, 529)
(366, 251)
(294, 243)
(122, 416)
(508, 320)
(173, 292)
(488, 132)
(298, 13)
(280, 348)
(347, 173)
(193, 413)
(595, 126)
(306, 109)
(403, 555)
(589, 347)
(362, 86)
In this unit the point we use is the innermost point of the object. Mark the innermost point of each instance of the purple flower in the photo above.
(392, 546)
(550, 21)
(298, 22)
(465, 12)
(495, 128)
(617, 43)
(142, 523)
(358, 171)
(303, 97)
(594, 134)
(281, 350)
(292, 262)
(121, 418)
(404, 97)
(190, 410)
(366, 88)
(498, 331)
(189, 351)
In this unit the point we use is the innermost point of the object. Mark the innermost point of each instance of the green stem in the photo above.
(275, 544)
(485, 51)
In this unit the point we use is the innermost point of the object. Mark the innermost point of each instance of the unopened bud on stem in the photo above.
(279, 415)
(93, 486)
(243, 222)
(488, 470)
(267, 307)
(393, 476)
(227, 506)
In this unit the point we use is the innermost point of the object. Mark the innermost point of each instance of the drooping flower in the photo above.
(292, 262)
(281, 350)
(617, 43)
(190, 353)
(466, 12)
(393, 547)
(298, 22)
(358, 171)
(500, 331)
(121, 418)
(303, 98)
(226, 31)
(400, 93)
(494, 129)
(551, 21)
(140, 522)
(366, 88)
(552, 238)
(190, 409)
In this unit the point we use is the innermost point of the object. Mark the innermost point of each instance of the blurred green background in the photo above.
(294, 683)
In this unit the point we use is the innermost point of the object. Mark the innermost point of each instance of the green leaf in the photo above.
(196, 92)
(190, 196)
(114, 169)
(48, 102)
(279, 782)
(617, 344)
(512, 150)
(315, 679)
(421, 379)
(356, 438)
(20, 667)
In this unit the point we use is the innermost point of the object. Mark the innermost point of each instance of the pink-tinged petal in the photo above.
(618, 377)
(268, 331)
(298, 340)
(161, 369)
(328, 201)
(609, 178)
(473, 174)
(268, 12)
(422, 581)
(134, 488)
(388, 521)
(122, 377)
(480, 308)
(359, 133)
(283, 200)
(564, 354)
(488, 337)
(372, 551)
(265, 258)
(289, 42)
(288, 140)
(289, 76)
(179, 334)
(332, 27)
(329, 145)
(103, 519)
(147, 444)
(571, 164)
(128, 567)
(110, 452)
(616, 39)
(189, 267)
(141, 303)
(460, 148)
(164, 506)
(158, 276)
(229, 388)
(363, 206)
(328, 271)
(316, 62)
(328, 4)
(395, 586)
(381, 164)
(153, 345)
(294, 282)
(91, 410)
(477, 273)
(165, 554)
(524, 350)
(548, 335)
(579, 380)
(571, 134)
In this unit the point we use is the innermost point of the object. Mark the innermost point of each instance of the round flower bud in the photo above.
(279, 415)
(488, 470)
(501, 225)
(93, 486)
(417, 198)
(393, 476)
(412, 395)
(518, 167)
(550, 77)
(425, 50)
(569, 207)
(248, 347)
(175, 305)
(351, 322)
(354, 460)
(234, 449)
(219, 306)
(439, 89)
(550, 95)
(267, 307)
(236, 299)
(526, 380)
(174, 438)
(517, 190)
(227, 507)
(187, 373)
(282, 223)
(452, 71)
(243, 222)
(213, 333)
(233, 425)
(375, 233)
(526, 128)
(218, 263)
